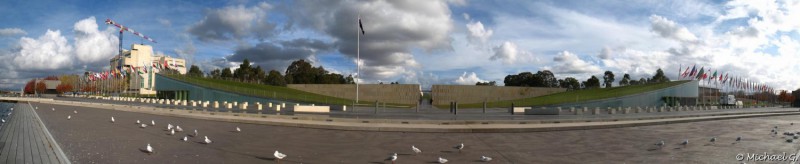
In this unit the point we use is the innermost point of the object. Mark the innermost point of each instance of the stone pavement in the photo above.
(469, 126)
(24, 139)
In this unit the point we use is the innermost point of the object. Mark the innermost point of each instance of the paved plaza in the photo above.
(90, 137)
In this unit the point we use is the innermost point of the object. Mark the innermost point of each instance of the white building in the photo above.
(141, 56)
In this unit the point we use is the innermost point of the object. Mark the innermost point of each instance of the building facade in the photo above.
(141, 57)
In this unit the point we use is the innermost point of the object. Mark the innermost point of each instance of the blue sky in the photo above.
(420, 42)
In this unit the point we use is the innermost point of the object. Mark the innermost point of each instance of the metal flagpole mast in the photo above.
(358, 58)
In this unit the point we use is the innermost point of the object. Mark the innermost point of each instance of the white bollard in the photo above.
(216, 104)
(278, 108)
(258, 106)
(270, 105)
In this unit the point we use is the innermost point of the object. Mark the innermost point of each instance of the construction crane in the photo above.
(123, 28)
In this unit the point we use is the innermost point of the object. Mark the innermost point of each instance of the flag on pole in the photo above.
(694, 69)
(685, 72)
(700, 73)
(361, 26)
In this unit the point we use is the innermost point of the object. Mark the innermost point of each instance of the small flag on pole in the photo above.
(361, 26)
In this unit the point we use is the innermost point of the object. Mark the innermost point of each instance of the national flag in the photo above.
(361, 26)
(700, 74)
(685, 72)
(694, 69)
(713, 77)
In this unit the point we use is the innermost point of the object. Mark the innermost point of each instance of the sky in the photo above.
(414, 42)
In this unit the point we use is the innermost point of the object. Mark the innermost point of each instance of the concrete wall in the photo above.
(465, 94)
(390, 93)
(199, 93)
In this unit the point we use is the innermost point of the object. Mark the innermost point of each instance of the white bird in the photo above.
(172, 132)
(392, 158)
(3, 120)
(713, 140)
(112, 119)
(685, 142)
(12, 109)
(149, 149)
(195, 133)
(69, 117)
(442, 160)
(185, 139)
(206, 141)
(138, 122)
(279, 156)
(54, 109)
(143, 125)
(415, 149)
(169, 126)
(238, 130)
(178, 128)
(153, 122)
(486, 159)
(75, 111)
(459, 147)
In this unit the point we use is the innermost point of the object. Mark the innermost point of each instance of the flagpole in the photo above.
(358, 58)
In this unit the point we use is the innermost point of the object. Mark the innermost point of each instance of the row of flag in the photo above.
(121, 72)
(719, 79)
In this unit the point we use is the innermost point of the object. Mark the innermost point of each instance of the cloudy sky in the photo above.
(421, 41)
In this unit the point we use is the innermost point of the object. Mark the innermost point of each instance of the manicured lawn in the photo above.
(575, 96)
(265, 91)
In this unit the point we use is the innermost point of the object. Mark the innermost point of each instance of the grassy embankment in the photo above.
(574, 96)
(266, 91)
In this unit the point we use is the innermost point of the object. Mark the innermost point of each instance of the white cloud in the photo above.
(468, 79)
(48, 52)
(477, 33)
(509, 53)
(669, 29)
(93, 45)
(11, 32)
(569, 63)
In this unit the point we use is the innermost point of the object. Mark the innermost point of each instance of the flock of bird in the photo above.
(459, 147)
(278, 155)
(790, 137)
(171, 131)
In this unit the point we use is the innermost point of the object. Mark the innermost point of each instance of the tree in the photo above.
(300, 72)
(659, 77)
(61, 88)
(608, 78)
(275, 78)
(626, 80)
(244, 72)
(216, 73)
(488, 83)
(569, 83)
(592, 82)
(349, 80)
(544, 78)
(29, 87)
(195, 71)
(226, 73)
(643, 81)
(41, 87)
(71, 80)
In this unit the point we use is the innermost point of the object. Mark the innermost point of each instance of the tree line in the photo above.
(299, 72)
(546, 78)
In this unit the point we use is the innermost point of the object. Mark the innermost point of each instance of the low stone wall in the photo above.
(466, 94)
(408, 94)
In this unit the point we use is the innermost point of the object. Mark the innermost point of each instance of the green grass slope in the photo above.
(575, 96)
(264, 91)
